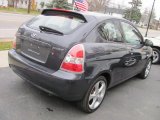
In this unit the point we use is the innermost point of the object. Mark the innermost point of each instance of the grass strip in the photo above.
(18, 10)
(6, 45)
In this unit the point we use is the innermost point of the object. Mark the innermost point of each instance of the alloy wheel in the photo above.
(155, 56)
(148, 69)
(97, 94)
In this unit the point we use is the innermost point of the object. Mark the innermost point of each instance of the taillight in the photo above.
(74, 60)
(14, 44)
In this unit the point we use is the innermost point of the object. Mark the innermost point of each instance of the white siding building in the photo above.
(3, 3)
(35, 4)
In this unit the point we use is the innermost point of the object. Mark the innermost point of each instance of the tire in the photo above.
(156, 56)
(94, 103)
(144, 74)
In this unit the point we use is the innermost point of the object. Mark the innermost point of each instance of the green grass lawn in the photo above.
(18, 10)
(6, 45)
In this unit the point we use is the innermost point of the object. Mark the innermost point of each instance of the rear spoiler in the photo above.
(50, 12)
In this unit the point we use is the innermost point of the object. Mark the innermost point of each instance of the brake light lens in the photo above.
(14, 44)
(74, 60)
(59, 9)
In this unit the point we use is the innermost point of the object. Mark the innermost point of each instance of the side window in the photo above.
(110, 32)
(131, 34)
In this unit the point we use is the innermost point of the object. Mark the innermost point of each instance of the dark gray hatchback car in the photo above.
(78, 56)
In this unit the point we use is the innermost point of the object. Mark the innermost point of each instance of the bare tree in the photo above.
(145, 14)
(29, 6)
(97, 5)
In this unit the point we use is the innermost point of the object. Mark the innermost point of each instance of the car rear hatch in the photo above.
(47, 38)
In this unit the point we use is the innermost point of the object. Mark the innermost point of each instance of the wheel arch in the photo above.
(156, 47)
(107, 75)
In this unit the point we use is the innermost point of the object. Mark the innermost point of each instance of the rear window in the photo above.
(62, 23)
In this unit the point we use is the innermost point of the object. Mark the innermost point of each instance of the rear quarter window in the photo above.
(62, 23)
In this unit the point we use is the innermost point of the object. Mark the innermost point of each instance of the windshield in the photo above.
(64, 24)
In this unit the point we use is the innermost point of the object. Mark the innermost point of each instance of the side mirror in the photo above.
(148, 43)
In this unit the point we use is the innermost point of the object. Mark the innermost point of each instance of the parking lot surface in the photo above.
(134, 99)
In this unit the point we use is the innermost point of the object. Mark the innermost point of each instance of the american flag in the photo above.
(81, 5)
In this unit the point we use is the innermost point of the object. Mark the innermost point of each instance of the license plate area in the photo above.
(35, 50)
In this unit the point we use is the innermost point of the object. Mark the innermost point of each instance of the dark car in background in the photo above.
(78, 56)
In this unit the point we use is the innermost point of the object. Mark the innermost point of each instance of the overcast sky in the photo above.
(145, 4)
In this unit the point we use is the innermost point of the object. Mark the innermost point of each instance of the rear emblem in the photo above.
(33, 35)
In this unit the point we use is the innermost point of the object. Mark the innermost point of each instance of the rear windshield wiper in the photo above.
(47, 29)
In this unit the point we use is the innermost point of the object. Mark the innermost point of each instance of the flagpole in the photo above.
(73, 4)
(76, 5)
(150, 19)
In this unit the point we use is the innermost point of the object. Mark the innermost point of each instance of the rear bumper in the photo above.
(66, 85)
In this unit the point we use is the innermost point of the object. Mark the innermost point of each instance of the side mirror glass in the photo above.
(148, 43)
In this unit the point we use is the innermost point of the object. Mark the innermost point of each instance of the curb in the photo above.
(4, 59)
(6, 44)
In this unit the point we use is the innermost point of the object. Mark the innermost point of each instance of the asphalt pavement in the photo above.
(134, 99)
(9, 23)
